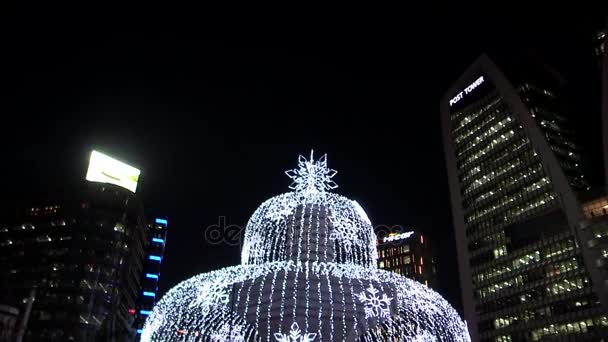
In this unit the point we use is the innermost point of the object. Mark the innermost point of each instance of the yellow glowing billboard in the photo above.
(106, 169)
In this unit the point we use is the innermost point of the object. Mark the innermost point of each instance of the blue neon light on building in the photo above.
(158, 240)
(139, 331)
(149, 294)
(152, 276)
(161, 221)
(154, 257)
(145, 312)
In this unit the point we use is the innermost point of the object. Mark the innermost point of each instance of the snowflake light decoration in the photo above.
(295, 335)
(374, 305)
(308, 255)
(210, 294)
(228, 333)
(312, 177)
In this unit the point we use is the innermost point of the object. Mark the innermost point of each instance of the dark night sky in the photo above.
(213, 114)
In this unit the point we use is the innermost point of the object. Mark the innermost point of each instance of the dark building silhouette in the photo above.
(9, 319)
(409, 254)
(81, 254)
(155, 251)
(529, 268)
(601, 52)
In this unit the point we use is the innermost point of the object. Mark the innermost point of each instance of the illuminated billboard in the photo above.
(106, 169)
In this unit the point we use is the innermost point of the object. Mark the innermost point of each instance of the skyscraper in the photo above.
(409, 254)
(155, 250)
(526, 268)
(72, 261)
(81, 252)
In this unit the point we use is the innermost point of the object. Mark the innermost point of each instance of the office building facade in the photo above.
(408, 254)
(155, 251)
(526, 266)
(78, 257)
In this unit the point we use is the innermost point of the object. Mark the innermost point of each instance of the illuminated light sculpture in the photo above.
(308, 274)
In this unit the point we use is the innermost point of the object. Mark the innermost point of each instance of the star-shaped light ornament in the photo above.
(312, 178)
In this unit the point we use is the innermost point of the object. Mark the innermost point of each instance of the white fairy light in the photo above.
(308, 273)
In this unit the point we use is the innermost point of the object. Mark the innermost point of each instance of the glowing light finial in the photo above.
(312, 176)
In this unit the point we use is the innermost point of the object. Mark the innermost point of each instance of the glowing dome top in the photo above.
(336, 228)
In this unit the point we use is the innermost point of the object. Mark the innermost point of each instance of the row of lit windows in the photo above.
(506, 200)
(385, 253)
(522, 177)
(524, 307)
(492, 151)
(402, 260)
(539, 313)
(493, 239)
(499, 141)
(559, 287)
(546, 124)
(559, 139)
(565, 154)
(35, 211)
(562, 267)
(119, 227)
(503, 168)
(532, 198)
(567, 285)
(527, 86)
(476, 121)
(582, 326)
(495, 288)
(497, 136)
(469, 117)
(47, 238)
(529, 208)
(489, 133)
(549, 252)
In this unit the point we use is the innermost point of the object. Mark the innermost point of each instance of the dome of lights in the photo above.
(308, 273)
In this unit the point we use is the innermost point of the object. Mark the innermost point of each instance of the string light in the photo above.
(308, 273)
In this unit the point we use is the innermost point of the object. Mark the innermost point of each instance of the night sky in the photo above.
(214, 114)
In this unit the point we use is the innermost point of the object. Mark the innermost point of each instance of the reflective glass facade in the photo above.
(528, 277)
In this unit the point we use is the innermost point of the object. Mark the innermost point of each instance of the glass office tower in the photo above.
(77, 257)
(527, 271)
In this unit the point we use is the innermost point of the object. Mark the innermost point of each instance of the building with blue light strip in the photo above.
(157, 236)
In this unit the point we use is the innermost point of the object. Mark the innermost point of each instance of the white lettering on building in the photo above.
(466, 91)
(398, 237)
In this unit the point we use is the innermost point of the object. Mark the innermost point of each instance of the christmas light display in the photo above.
(308, 273)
